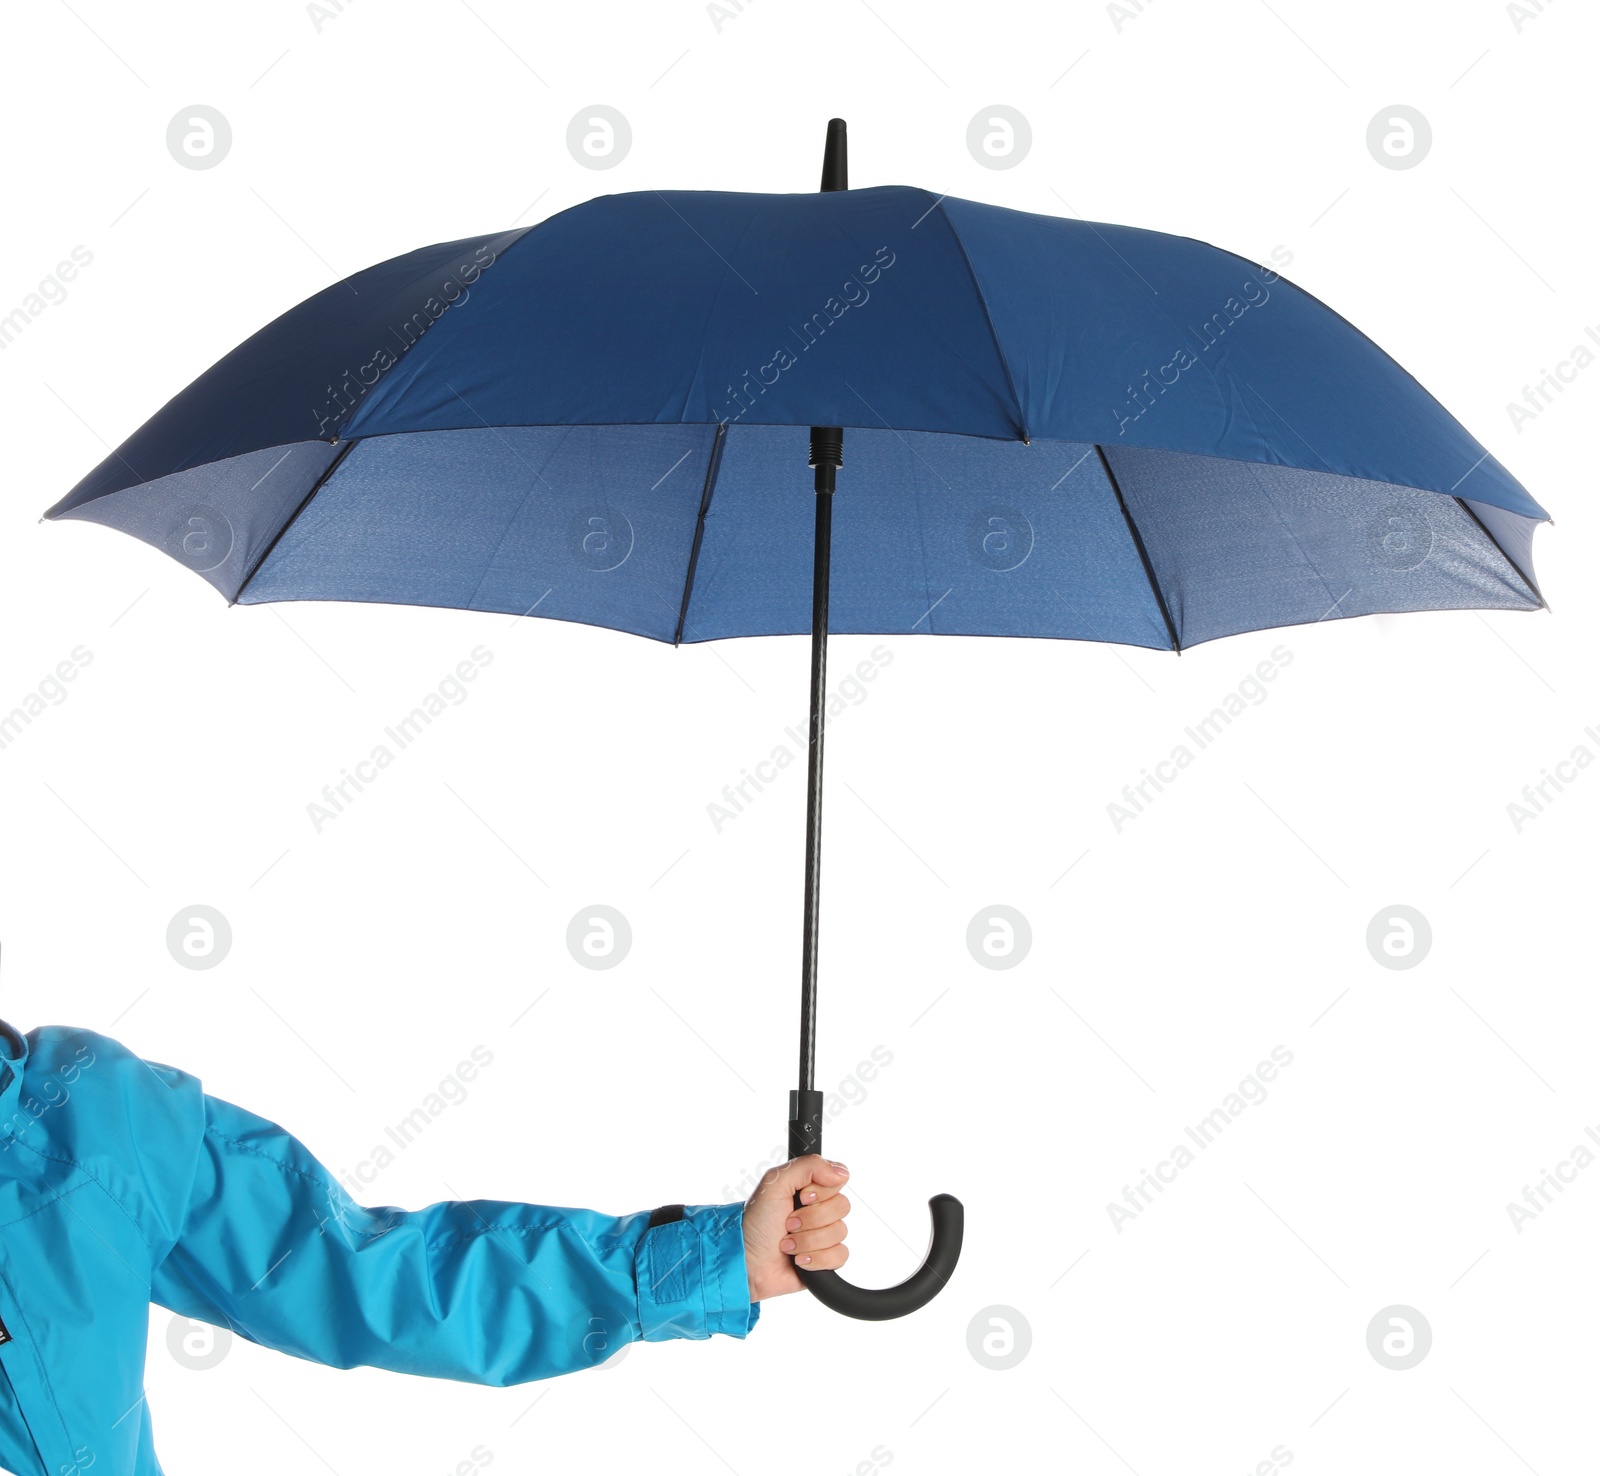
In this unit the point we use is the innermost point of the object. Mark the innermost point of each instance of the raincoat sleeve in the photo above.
(270, 1245)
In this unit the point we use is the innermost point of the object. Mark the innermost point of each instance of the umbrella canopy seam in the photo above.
(988, 317)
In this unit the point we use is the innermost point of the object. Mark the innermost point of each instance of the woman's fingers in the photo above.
(815, 1227)
(808, 1242)
(825, 1260)
(795, 1218)
(813, 1216)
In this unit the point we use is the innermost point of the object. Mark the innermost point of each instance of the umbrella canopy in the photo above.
(1053, 428)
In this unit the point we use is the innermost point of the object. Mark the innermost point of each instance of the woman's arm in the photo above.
(273, 1247)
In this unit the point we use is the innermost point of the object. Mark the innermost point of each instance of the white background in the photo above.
(1231, 1317)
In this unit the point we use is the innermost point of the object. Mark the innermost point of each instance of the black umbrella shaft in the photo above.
(805, 1104)
(819, 698)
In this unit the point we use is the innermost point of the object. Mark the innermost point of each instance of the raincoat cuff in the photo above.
(692, 1278)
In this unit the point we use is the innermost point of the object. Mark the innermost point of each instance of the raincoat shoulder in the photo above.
(132, 1128)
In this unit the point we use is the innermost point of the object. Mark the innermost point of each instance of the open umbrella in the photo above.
(1054, 429)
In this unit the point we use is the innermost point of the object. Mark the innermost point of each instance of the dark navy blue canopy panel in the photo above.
(871, 308)
(816, 309)
(301, 376)
(945, 535)
(1135, 338)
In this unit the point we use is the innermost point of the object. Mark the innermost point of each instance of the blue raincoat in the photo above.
(122, 1183)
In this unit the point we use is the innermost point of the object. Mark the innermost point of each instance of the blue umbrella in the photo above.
(1054, 428)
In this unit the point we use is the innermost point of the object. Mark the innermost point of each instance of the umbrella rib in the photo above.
(713, 462)
(1144, 556)
(294, 517)
(1495, 544)
(988, 317)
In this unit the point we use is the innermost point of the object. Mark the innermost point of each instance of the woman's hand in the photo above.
(775, 1231)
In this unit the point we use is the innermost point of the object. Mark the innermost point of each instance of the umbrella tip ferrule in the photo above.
(835, 158)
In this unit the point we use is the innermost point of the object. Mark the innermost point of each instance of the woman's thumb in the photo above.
(799, 1173)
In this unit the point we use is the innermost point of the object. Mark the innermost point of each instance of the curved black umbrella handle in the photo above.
(879, 1304)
